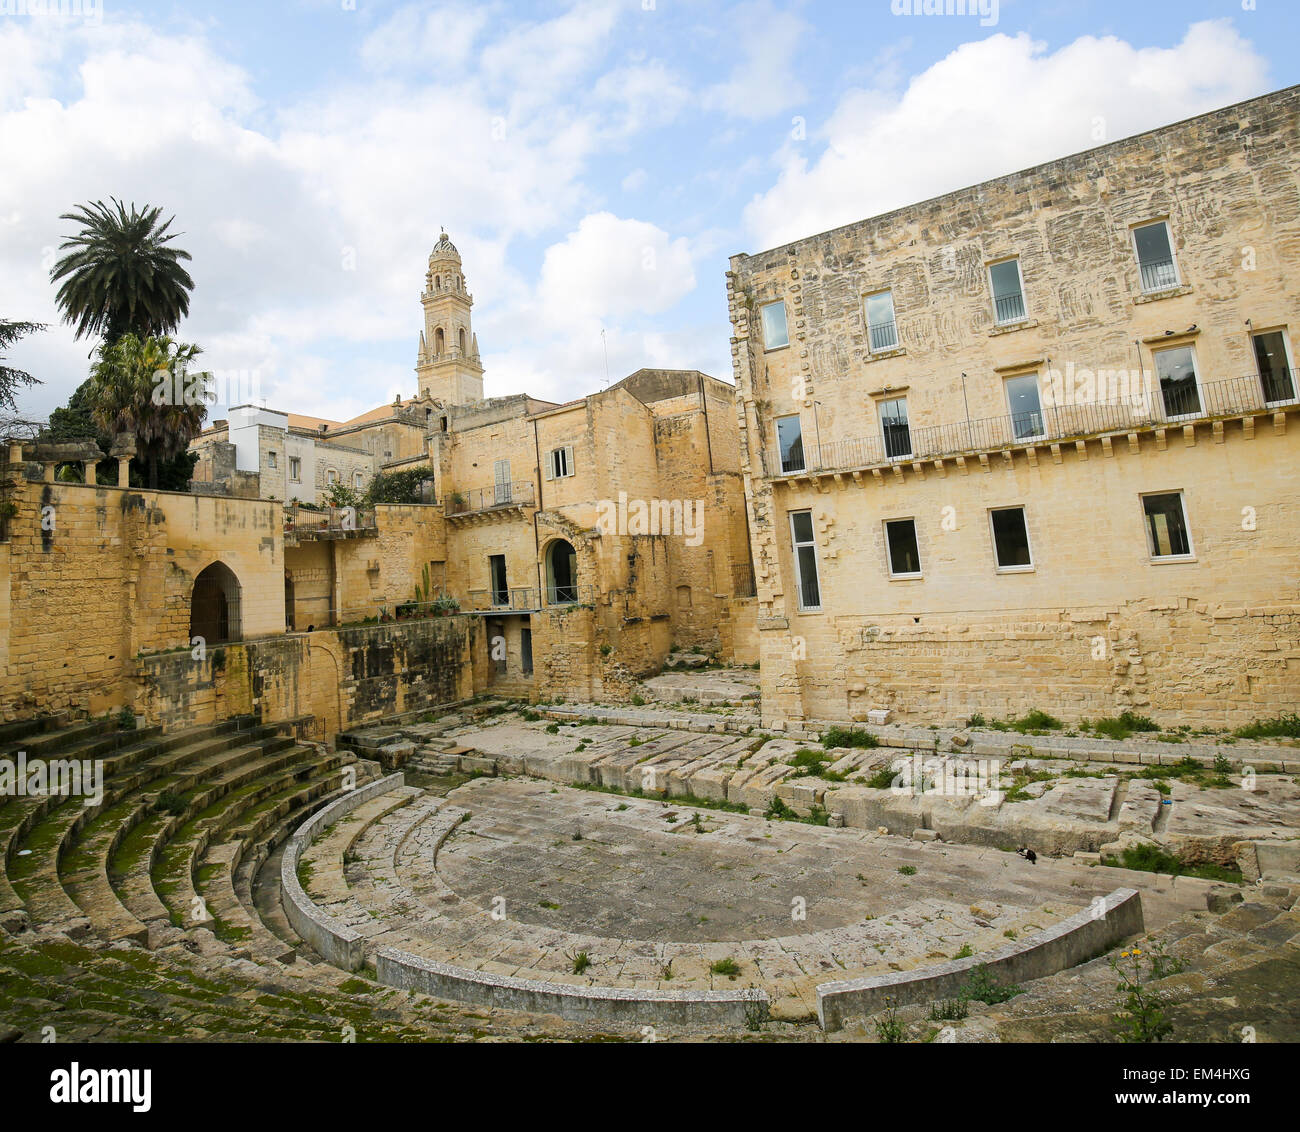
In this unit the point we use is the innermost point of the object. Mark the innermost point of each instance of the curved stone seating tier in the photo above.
(372, 887)
(36, 875)
(118, 752)
(217, 802)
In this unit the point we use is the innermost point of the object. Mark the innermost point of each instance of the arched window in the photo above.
(462, 339)
(439, 341)
(561, 573)
(437, 282)
(214, 605)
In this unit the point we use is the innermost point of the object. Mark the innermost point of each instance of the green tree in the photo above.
(119, 276)
(142, 385)
(12, 380)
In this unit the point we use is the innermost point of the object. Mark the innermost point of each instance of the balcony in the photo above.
(1174, 407)
(1010, 308)
(520, 599)
(883, 336)
(1158, 275)
(302, 524)
(489, 502)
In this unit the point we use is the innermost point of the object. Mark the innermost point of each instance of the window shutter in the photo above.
(549, 462)
(568, 460)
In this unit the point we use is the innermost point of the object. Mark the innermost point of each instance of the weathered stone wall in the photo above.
(1097, 625)
(99, 575)
(341, 676)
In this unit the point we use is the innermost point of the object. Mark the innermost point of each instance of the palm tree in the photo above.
(12, 380)
(132, 390)
(119, 276)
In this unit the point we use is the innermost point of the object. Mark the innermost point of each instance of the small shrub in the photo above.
(964, 952)
(126, 719)
(950, 1010)
(907, 870)
(1283, 727)
(170, 802)
(638, 701)
(977, 720)
(1123, 725)
(1141, 1019)
(888, 1028)
(1037, 721)
(849, 737)
(581, 962)
(882, 779)
(981, 988)
(777, 810)
(728, 967)
(552, 729)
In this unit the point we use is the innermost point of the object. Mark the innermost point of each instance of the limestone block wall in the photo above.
(341, 676)
(98, 575)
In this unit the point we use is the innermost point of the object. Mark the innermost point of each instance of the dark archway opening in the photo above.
(214, 605)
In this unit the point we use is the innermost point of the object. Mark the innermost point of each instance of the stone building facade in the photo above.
(1035, 443)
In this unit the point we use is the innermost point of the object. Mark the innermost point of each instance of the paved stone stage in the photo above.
(642, 884)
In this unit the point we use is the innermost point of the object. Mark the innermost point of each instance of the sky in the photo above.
(595, 161)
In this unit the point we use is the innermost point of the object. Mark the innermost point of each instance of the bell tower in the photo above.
(447, 367)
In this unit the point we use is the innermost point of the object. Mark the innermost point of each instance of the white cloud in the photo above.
(610, 267)
(764, 81)
(993, 107)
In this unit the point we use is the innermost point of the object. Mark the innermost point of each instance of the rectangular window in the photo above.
(1273, 357)
(881, 331)
(897, 432)
(270, 457)
(775, 331)
(331, 476)
(295, 469)
(497, 573)
(1178, 386)
(904, 556)
(1025, 406)
(357, 480)
(1155, 256)
(789, 441)
(501, 482)
(559, 463)
(1011, 539)
(805, 560)
(1008, 291)
(1167, 535)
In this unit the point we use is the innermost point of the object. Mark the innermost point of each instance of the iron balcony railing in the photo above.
(517, 599)
(486, 498)
(328, 520)
(884, 336)
(570, 595)
(1174, 404)
(1158, 275)
(1010, 308)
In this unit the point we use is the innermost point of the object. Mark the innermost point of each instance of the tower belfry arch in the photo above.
(447, 366)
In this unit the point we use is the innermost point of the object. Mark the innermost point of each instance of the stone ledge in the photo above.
(1075, 940)
(405, 971)
(336, 942)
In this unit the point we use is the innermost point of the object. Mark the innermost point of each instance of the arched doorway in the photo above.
(288, 602)
(561, 573)
(214, 605)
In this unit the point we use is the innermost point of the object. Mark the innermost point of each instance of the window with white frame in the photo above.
(331, 476)
(295, 469)
(904, 554)
(1008, 291)
(775, 331)
(356, 480)
(807, 582)
(789, 441)
(270, 459)
(1166, 522)
(559, 463)
(882, 333)
(1025, 406)
(1155, 255)
(1179, 387)
(1011, 539)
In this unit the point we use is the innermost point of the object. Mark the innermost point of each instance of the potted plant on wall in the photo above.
(445, 604)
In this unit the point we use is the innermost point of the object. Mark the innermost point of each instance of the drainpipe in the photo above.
(704, 404)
